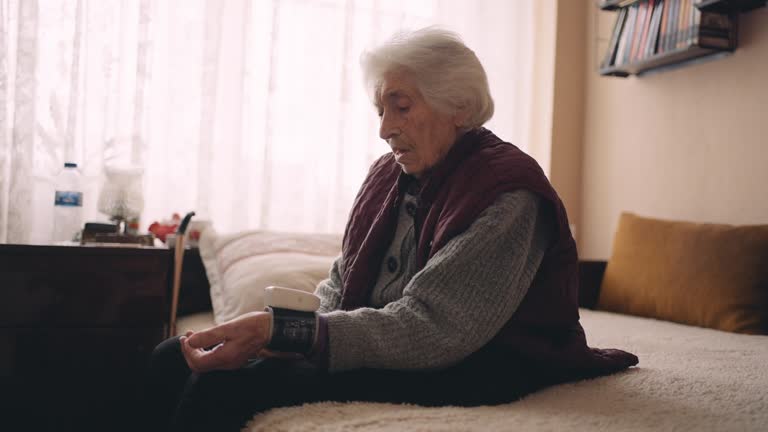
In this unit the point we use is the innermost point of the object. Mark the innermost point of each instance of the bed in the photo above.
(689, 377)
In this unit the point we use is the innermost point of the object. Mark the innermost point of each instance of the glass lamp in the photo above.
(121, 197)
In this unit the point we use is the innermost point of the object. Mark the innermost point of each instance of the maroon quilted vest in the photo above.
(477, 169)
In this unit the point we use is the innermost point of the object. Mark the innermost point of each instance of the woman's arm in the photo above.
(247, 335)
(329, 290)
(457, 303)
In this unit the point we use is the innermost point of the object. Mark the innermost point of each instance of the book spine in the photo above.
(646, 29)
(667, 29)
(653, 37)
(673, 25)
(680, 38)
(664, 10)
(696, 26)
(663, 27)
(649, 27)
(716, 22)
(716, 30)
(632, 35)
(644, 33)
(687, 23)
(714, 42)
(621, 57)
(691, 19)
(610, 57)
(638, 31)
(676, 25)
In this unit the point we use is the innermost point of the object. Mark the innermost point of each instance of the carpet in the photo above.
(688, 379)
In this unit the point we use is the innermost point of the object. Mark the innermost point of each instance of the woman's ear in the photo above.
(460, 118)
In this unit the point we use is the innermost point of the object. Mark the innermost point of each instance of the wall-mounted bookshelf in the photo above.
(711, 5)
(725, 6)
(652, 35)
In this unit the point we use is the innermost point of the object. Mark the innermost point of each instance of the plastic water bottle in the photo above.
(68, 204)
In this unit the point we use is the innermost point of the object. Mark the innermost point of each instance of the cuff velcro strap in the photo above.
(292, 331)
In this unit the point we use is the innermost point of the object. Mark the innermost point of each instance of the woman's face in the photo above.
(418, 135)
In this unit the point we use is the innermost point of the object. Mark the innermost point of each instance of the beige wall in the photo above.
(690, 143)
(568, 108)
(557, 113)
(545, 25)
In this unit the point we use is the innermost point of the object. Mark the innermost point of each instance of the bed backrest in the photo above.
(590, 278)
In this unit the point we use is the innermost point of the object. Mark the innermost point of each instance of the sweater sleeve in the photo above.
(329, 290)
(457, 303)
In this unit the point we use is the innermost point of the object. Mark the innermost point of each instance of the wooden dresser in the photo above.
(77, 328)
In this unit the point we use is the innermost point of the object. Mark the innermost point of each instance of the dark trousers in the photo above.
(225, 400)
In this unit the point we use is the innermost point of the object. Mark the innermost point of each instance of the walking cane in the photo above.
(178, 259)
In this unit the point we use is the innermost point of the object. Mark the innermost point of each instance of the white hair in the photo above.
(445, 70)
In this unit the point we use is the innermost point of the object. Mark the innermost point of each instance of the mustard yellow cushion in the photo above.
(708, 275)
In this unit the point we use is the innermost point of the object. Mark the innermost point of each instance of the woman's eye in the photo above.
(404, 109)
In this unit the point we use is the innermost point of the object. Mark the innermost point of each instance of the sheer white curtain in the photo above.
(252, 112)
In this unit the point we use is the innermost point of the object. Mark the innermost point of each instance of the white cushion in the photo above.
(239, 266)
(194, 322)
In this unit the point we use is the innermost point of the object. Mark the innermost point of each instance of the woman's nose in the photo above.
(388, 127)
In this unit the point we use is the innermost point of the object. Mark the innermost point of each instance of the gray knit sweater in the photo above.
(436, 317)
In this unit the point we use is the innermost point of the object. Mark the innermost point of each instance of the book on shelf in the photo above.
(714, 30)
(629, 54)
(683, 24)
(610, 57)
(622, 56)
(646, 28)
(622, 42)
(663, 27)
(687, 7)
(653, 30)
(671, 24)
(693, 28)
(679, 25)
(638, 34)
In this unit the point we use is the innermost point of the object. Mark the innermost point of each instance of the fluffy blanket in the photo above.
(688, 379)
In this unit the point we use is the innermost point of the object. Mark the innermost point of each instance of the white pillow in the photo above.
(239, 266)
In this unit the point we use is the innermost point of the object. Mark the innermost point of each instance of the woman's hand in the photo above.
(234, 343)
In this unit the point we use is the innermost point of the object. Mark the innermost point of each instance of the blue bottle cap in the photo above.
(70, 165)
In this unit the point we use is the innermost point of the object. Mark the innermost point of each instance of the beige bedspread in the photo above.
(688, 379)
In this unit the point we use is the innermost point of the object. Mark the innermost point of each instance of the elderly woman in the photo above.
(457, 282)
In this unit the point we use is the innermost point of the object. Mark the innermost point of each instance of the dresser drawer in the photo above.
(88, 287)
(87, 298)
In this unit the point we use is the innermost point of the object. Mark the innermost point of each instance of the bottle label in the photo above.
(69, 199)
